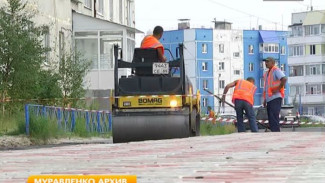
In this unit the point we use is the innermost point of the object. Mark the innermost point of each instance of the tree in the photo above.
(21, 52)
(72, 70)
(22, 55)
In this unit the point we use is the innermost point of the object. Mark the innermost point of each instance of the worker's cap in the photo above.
(268, 59)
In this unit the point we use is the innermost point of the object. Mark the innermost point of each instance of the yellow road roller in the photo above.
(153, 103)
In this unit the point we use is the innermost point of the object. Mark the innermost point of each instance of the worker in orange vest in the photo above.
(243, 98)
(211, 115)
(273, 93)
(152, 41)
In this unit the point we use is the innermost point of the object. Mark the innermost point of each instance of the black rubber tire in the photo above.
(195, 118)
(198, 125)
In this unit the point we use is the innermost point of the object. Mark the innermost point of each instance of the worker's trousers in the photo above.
(273, 113)
(240, 107)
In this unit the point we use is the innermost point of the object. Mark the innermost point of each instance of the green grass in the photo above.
(42, 129)
(313, 125)
(210, 129)
(12, 124)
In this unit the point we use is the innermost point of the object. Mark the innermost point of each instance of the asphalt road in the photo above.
(245, 157)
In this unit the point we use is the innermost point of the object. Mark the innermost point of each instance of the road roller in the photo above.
(154, 102)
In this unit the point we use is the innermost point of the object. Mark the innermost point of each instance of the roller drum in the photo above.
(147, 127)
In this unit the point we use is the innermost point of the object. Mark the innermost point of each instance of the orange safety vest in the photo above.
(211, 114)
(272, 85)
(152, 42)
(244, 90)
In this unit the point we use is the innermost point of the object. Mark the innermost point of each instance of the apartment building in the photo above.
(93, 27)
(258, 45)
(306, 43)
(198, 55)
(228, 60)
(213, 58)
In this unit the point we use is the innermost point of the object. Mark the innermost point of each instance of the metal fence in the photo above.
(66, 118)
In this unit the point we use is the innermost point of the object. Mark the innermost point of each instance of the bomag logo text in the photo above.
(150, 101)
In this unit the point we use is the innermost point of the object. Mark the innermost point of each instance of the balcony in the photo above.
(308, 99)
(306, 79)
(302, 60)
(306, 39)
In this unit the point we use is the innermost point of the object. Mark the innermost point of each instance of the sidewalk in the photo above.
(297, 157)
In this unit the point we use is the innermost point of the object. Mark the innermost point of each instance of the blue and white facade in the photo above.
(215, 57)
(198, 54)
(258, 45)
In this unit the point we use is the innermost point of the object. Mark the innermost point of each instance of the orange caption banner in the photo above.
(82, 179)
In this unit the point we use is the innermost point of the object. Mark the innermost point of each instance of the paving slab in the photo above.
(297, 157)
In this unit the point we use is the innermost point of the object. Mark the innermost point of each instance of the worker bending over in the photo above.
(243, 98)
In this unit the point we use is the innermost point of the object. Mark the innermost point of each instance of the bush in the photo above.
(80, 128)
(42, 129)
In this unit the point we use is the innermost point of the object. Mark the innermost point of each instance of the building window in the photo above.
(100, 9)
(313, 89)
(323, 28)
(312, 49)
(251, 67)
(323, 88)
(236, 54)
(221, 84)
(295, 89)
(129, 13)
(271, 48)
(261, 48)
(296, 70)
(283, 50)
(221, 66)
(121, 11)
(307, 30)
(262, 83)
(204, 66)
(282, 67)
(250, 49)
(323, 69)
(46, 43)
(312, 30)
(236, 72)
(205, 84)
(61, 44)
(296, 31)
(205, 102)
(221, 48)
(88, 3)
(297, 50)
(98, 47)
(312, 70)
(204, 48)
(111, 10)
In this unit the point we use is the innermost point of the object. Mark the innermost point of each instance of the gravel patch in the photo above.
(22, 141)
(14, 142)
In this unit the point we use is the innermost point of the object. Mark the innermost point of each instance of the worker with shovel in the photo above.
(243, 98)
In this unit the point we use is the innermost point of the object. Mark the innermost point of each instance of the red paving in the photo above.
(245, 157)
